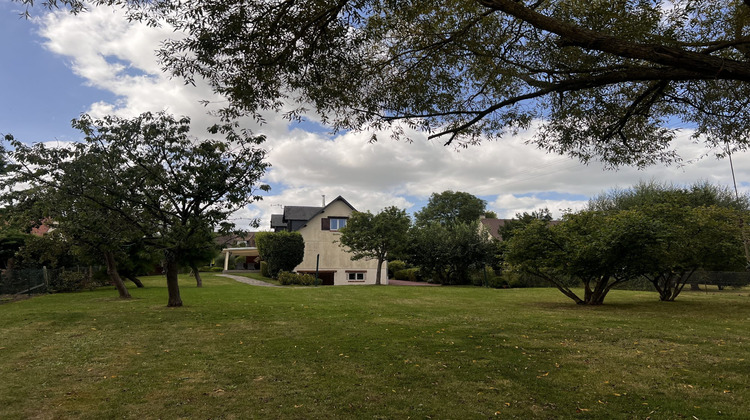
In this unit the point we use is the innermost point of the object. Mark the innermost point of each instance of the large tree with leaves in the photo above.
(376, 236)
(451, 207)
(608, 79)
(148, 173)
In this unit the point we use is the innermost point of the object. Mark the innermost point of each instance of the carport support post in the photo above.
(226, 260)
(317, 265)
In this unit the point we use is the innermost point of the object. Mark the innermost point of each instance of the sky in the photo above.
(56, 66)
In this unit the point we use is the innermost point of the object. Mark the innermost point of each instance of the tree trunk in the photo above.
(173, 287)
(109, 258)
(196, 274)
(135, 280)
(377, 275)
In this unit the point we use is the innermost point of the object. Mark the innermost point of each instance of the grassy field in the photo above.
(239, 351)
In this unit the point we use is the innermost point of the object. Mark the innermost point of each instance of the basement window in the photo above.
(356, 276)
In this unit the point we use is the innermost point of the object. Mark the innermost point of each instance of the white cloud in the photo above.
(116, 55)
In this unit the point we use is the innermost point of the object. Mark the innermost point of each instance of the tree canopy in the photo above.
(282, 251)
(608, 80)
(659, 232)
(375, 236)
(451, 207)
(147, 177)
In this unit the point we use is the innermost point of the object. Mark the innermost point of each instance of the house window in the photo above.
(337, 223)
(355, 276)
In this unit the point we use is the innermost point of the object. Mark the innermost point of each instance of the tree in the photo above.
(281, 250)
(450, 207)
(375, 236)
(10, 244)
(521, 220)
(701, 229)
(149, 174)
(598, 249)
(659, 232)
(608, 80)
(448, 253)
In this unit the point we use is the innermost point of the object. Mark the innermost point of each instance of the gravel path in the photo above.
(249, 281)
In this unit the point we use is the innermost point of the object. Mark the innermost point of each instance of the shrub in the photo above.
(498, 282)
(217, 269)
(394, 266)
(281, 250)
(264, 269)
(409, 274)
(287, 278)
(205, 269)
(70, 281)
(482, 276)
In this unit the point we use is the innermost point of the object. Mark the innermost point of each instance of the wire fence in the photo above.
(32, 281)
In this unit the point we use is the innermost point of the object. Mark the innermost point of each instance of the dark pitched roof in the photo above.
(493, 226)
(300, 212)
(277, 220)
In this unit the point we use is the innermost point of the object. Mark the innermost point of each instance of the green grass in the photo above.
(238, 351)
(257, 276)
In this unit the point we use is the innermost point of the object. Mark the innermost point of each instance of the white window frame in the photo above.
(340, 222)
(356, 276)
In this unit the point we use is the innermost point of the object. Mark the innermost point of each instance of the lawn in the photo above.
(240, 351)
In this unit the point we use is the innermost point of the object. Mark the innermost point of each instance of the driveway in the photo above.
(410, 283)
(249, 281)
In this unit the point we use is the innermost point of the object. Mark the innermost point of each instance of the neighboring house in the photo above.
(319, 228)
(492, 226)
(239, 246)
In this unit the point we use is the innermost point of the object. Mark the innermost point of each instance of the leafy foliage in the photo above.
(447, 254)
(650, 231)
(450, 207)
(144, 178)
(375, 236)
(609, 79)
(287, 278)
(282, 251)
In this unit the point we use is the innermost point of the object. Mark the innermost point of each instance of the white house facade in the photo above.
(319, 227)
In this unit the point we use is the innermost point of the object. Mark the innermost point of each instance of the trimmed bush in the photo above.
(264, 269)
(287, 278)
(205, 269)
(281, 250)
(217, 269)
(394, 266)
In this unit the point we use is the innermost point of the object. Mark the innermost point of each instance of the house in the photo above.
(323, 255)
(492, 226)
(240, 252)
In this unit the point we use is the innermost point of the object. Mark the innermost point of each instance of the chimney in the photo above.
(324, 200)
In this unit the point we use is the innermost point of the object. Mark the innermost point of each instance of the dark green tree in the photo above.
(448, 253)
(375, 236)
(609, 80)
(451, 207)
(282, 251)
(596, 249)
(606, 76)
(149, 174)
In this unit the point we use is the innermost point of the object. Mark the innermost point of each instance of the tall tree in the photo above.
(375, 236)
(451, 207)
(167, 186)
(609, 80)
(448, 253)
